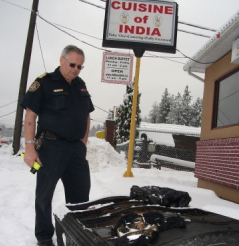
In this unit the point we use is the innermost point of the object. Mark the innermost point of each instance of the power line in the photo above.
(71, 34)
(40, 47)
(58, 27)
(197, 34)
(101, 109)
(7, 104)
(97, 121)
(166, 58)
(197, 26)
(77, 31)
(16, 5)
(196, 60)
(7, 114)
(97, 6)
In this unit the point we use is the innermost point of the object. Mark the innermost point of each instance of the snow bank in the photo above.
(101, 155)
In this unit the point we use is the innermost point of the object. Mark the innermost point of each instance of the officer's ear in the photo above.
(61, 60)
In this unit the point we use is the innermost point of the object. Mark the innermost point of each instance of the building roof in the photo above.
(215, 48)
(170, 128)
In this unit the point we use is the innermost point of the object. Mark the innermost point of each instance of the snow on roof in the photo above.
(160, 138)
(170, 128)
(216, 47)
(173, 161)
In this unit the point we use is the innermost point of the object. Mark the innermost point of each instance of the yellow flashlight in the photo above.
(36, 166)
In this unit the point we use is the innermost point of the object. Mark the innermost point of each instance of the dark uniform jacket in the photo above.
(62, 108)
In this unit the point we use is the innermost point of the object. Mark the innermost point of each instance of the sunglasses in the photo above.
(73, 65)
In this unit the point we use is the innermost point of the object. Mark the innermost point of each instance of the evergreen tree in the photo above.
(196, 113)
(175, 115)
(177, 109)
(153, 114)
(145, 119)
(164, 107)
(186, 108)
(123, 121)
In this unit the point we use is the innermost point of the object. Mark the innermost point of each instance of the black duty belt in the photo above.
(54, 136)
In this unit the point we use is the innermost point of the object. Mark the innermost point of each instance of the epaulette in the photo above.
(41, 76)
(35, 85)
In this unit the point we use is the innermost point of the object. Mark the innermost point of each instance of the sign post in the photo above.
(140, 25)
(128, 172)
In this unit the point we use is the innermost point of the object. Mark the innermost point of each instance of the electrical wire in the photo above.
(166, 58)
(40, 47)
(71, 34)
(97, 121)
(101, 109)
(16, 5)
(197, 34)
(8, 104)
(196, 60)
(97, 6)
(77, 31)
(7, 114)
(197, 26)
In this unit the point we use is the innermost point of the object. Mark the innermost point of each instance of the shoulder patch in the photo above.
(41, 76)
(34, 86)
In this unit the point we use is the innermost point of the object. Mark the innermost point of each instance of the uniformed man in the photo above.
(62, 104)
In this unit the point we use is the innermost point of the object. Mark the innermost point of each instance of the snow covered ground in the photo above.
(17, 186)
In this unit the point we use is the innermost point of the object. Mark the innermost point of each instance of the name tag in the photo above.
(58, 90)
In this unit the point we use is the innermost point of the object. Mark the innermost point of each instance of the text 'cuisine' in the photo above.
(142, 7)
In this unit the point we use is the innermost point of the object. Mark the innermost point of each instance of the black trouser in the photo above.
(63, 160)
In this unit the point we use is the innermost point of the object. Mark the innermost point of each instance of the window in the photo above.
(227, 100)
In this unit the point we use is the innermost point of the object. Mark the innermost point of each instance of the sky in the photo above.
(156, 74)
(17, 189)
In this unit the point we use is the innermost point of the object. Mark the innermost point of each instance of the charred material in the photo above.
(162, 196)
(140, 229)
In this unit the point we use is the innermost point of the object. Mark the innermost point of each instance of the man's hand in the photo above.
(29, 127)
(31, 155)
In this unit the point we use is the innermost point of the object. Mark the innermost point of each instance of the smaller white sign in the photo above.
(117, 68)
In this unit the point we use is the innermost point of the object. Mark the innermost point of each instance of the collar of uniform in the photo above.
(58, 76)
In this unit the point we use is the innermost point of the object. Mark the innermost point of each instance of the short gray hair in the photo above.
(72, 48)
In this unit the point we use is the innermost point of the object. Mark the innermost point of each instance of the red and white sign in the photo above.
(117, 68)
(143, 21)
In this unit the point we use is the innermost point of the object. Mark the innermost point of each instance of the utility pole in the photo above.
(24, 77)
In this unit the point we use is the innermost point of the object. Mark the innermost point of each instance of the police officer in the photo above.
(62, 104)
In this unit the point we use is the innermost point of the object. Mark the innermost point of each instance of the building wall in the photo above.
(109, 131)
(217, 161)
(217, 157)
(214, 72)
